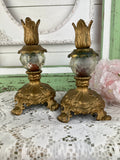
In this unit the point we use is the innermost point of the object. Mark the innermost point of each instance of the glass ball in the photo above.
(84, 65)
(32, 61)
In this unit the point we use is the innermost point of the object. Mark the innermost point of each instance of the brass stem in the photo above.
(34, 77)
(82, 81)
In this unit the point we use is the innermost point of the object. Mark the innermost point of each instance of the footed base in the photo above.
(34, 93)
(82, 101)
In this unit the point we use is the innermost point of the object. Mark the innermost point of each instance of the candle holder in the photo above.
(82, 100)
(32, 57)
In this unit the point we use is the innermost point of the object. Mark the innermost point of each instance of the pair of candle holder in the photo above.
(81, 100)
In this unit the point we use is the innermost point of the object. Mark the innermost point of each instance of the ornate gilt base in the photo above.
(34, 93)
(82, 101)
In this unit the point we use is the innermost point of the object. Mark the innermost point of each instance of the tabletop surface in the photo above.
(38, 135)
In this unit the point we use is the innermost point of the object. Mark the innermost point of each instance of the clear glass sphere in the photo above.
(33, 61)
(83, 66)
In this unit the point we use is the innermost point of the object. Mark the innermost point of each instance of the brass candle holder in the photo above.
(82, 100)
(32, 58)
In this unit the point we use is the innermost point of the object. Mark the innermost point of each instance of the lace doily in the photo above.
(38, 135)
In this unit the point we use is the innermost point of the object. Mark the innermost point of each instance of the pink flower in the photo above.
(106, 80)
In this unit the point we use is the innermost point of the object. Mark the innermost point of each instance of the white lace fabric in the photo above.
(38, 135)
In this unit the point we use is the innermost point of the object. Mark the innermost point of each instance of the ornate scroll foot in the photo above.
(107, 117)
(82, 101)
(34, 93)
(63, 117)
(17, 110)
(52, 105)
(102, 115)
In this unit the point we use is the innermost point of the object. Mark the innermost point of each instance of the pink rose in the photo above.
(106, 80)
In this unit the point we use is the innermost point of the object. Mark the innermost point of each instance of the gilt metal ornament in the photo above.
(34, 93)
(82, 34)
(82, 100)
(32, 58)
(31, 36)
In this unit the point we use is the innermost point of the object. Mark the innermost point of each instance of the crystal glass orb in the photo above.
(32, 61)
(83, 62)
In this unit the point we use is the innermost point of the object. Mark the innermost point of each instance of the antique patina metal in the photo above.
(82, 100)
(32, 58)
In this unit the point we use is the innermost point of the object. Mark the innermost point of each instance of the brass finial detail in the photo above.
(31, 36)
(82, 34)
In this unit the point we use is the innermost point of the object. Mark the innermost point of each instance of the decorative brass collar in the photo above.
(87, 52)
(32, 48)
